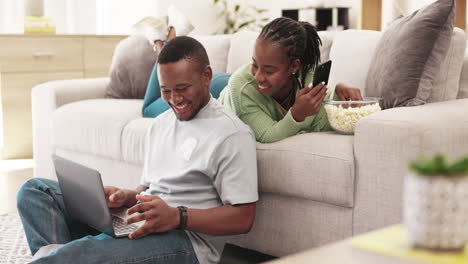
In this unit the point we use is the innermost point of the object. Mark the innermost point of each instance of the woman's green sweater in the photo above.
(261, 113)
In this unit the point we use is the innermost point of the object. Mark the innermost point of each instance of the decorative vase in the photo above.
(436, 211)
(34, 8)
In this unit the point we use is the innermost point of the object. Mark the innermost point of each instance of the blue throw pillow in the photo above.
(219, 81)
(154, 105)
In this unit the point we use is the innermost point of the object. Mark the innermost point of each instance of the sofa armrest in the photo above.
(45, 99)
(386, 141)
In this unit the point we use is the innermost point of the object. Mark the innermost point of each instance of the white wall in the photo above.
(117, 16)
(392, 9)
(10, 12)
(202, 13)
(56, 9)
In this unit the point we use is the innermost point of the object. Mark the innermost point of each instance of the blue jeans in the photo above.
(45, 221)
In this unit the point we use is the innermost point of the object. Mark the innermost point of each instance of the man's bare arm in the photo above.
(223, 220)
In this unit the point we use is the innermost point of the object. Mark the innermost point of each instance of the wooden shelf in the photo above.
(28, 60)
(371, 14)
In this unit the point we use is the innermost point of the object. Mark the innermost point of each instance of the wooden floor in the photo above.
(13, 173)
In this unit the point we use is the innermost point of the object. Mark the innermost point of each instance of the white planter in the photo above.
(436, 211)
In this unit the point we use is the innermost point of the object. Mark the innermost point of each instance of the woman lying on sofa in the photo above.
(271, 94)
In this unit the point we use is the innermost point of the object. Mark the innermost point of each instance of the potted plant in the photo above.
(237, 16)
(436, 203)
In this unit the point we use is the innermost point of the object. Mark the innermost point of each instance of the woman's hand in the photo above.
(308, 101)
(347, 93)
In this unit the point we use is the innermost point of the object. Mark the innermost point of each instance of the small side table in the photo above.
(339, 253)
(388, 245)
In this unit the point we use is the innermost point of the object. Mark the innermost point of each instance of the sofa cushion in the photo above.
(351, 54)
(133, 140)
(217, 48)
(410, 54)
(327, 38)
(241, 51)
(463, 90)
(447, 81)
(463, 85)
(94, 126)
(316, 166)
(242, 46)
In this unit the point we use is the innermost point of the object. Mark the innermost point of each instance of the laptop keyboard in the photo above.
(120, 228)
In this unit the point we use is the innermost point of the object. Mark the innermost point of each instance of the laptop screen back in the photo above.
(83, 194)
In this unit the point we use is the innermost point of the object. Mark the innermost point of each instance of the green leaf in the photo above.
(236, 8)
(246, 23)
(459, 167)
(438, 166)
(215, 1)
(261, 10)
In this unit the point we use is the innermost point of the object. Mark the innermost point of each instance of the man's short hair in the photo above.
(184, 48)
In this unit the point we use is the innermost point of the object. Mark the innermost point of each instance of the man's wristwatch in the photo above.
(182, 217)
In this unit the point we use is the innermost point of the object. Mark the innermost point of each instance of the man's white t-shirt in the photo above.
(206, 162)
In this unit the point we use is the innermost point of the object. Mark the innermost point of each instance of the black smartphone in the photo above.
(322, 72)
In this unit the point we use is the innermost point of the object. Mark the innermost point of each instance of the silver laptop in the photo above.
(85, 200)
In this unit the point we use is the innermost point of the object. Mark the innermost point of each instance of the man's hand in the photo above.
(158, 215)
(116, 197)
(308, 101)
(347, 93)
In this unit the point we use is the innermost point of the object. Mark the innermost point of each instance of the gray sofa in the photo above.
(314, 188)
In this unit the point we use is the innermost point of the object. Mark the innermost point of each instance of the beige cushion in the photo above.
(316, 166)
(447, 82)
(285, 225)
(243, 42)
(94, 126)
(133, 140)
(410, 54)
(351, 54)
(242, 46)
(463, 90)
(217, 48)
(327, 40)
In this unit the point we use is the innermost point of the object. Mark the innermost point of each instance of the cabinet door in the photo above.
(16, 107)
(98, 52)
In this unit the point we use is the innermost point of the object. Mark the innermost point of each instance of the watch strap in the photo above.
(183, 217)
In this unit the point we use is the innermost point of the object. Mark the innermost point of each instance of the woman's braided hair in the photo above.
(300, 38)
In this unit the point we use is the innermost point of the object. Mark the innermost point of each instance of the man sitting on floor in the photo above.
(199, 157)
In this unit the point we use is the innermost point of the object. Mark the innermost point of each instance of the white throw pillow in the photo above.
(217, 48)
(241, 51)
(447, 82)
(242, 46)
(351, 54)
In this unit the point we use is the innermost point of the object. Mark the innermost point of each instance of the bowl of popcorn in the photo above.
(344, 115)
